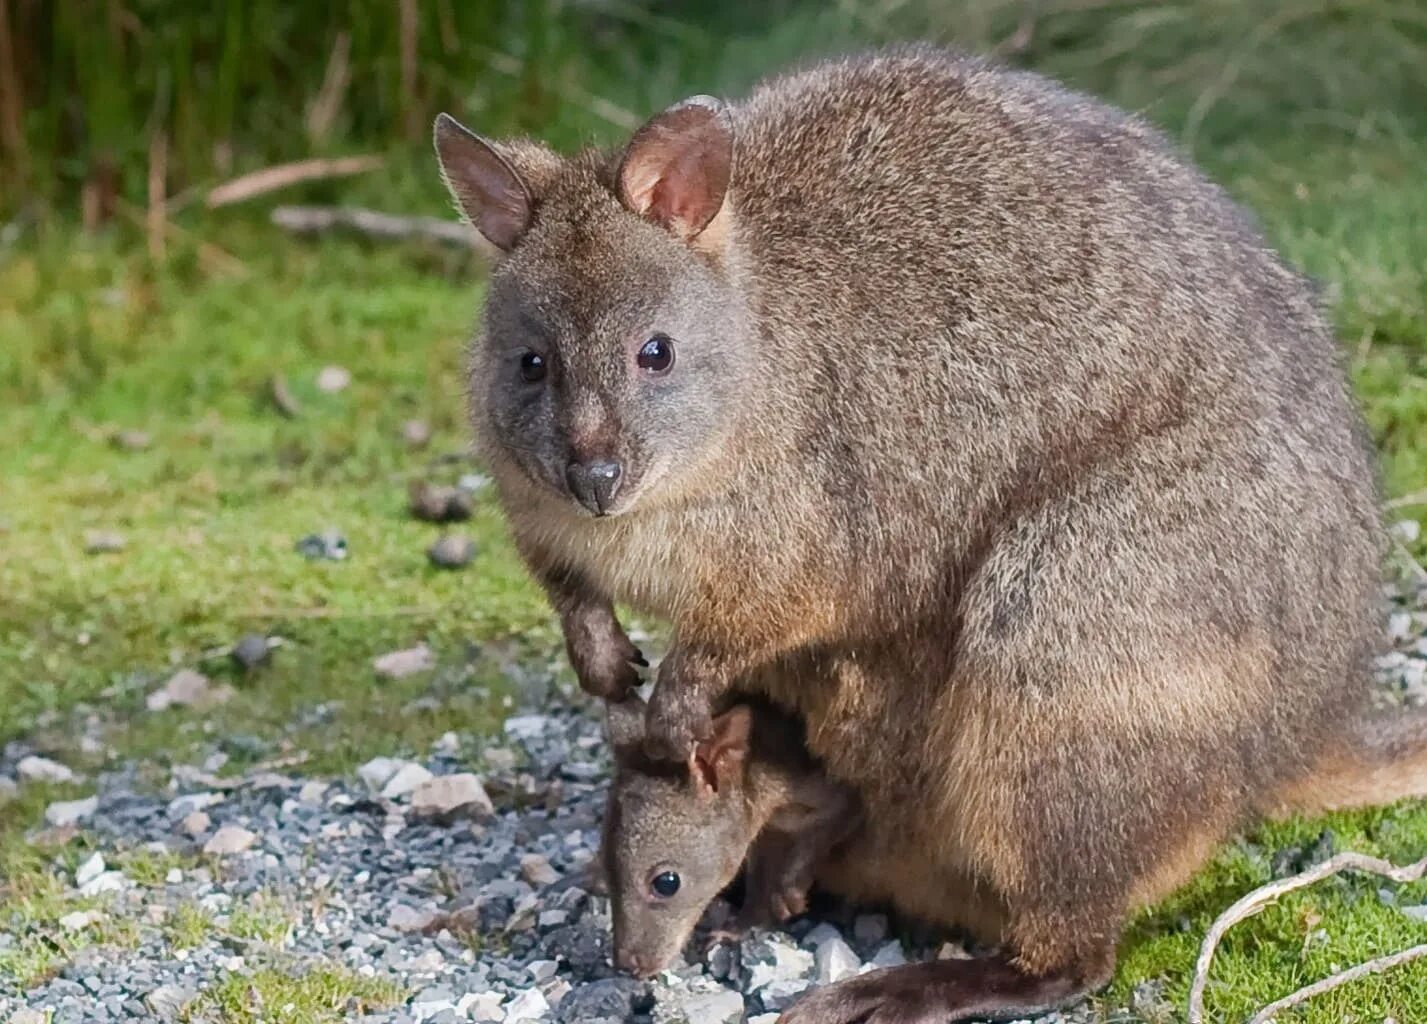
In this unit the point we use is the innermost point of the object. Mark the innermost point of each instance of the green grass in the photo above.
(299, 994)
(1318, 125)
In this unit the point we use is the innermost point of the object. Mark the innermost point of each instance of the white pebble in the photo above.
(41, 769)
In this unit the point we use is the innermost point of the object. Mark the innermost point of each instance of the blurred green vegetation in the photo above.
(1313, 113)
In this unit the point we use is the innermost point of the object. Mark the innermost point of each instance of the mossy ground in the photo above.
(97, 336)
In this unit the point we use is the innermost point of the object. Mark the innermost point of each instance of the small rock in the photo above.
(451, 551)
(482, 1006)
(187, 688)
(91, 868)
(25, 1015)
(182, 806)
(331, 546)
(530, 1005)
(79, 920)
(230, 839)
(765, 1018)
(416, 433)
(542, 970)
(452, 794)
(69, 812)
(312, 792)
(1417, 913)
(952, 951)
(769, 960)
(251, 651)
(377, 772)
(614, 999)
(1406, 530)
(400, 664)
(820, 933)
(526, 728)
(332, 379)
(780, 995)
(107, 881)
(168, 1001)
(173, 876)
(431, 1001)
(870, 929)
(890, 955)
(404, 780)
(408, 919)
(103, 542)
(131, 440)
(724, 1006)
(472, 483)
(41, 769)
(835, 960)
(433, 503)
(536, 870)
(195, 823)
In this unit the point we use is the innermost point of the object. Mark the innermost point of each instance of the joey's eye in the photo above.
(532, 367)
(656, 355)
(665, 884)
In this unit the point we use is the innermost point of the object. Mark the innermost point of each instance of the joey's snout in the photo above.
(595, 483)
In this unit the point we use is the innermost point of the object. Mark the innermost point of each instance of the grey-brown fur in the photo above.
(751, 796)
(999, 446)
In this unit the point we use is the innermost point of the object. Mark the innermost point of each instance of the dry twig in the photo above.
(270, 179)
(1261, 897)
(328, 102)
(311, 220)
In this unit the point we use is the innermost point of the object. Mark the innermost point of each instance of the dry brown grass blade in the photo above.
(328, 102)
(270, 179)
(156, 221)
(1261, 897)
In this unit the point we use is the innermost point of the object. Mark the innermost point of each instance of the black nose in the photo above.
(594, 484)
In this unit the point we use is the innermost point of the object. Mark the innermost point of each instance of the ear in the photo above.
(491, 184)
(625, 722)
(718, 762)
(676, 169)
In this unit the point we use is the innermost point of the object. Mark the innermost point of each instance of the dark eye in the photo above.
(665, 884)
(656, 355)
(532, 367)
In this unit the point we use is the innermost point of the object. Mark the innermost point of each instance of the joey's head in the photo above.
(612, 354)
(675, 835)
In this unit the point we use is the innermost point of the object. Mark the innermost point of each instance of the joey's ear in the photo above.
(718, 762)
(676, 168)
(494, 184)
(625, 723)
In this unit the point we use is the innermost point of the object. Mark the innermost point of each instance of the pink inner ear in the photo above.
(703, 771)
(676, 169)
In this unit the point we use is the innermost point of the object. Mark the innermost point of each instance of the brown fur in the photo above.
(751, 794)
(999, 447)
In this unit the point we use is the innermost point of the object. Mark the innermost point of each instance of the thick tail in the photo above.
(1382, 759)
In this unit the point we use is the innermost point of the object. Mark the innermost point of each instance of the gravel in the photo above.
(464, 877)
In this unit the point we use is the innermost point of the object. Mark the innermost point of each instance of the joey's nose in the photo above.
(594, 484)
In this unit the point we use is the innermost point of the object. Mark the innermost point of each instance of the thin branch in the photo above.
(270, 179)
(156, 219)
(1261, 897)
(1415, 498)
(311, 220)
(1382, 963)
(328, 102)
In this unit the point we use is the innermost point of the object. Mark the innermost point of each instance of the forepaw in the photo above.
(606, 662)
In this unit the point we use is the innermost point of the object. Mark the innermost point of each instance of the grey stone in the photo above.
(529, 1005)
(90, 868)
(890, 954)
(168, 1001)
(451, 551)
(70, 812)
(42, 769)
(406, 778)
(251, 651)
(446, 795)
(230, 839)
(378, 771)
(615, 999)
(403, 663)
(330, 545)
(835, 960)
(723, 1006)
